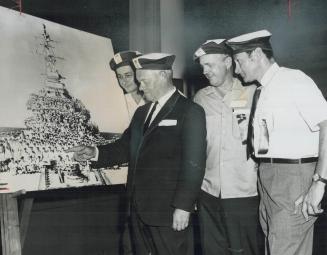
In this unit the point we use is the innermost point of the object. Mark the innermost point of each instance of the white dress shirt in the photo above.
(292, 106)
(161, 102)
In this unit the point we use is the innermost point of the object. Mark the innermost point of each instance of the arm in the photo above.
(313, 108)
(107, 155)
(193, 166)
(322, 163)
(114, 153)
(312, 200)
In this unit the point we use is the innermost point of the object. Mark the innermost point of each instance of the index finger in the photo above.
(297, 204)
(304, 211)
(77, 148)
(316, 209)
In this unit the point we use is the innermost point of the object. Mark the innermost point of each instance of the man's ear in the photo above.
(256, 53)
(228, 62)
(163, 74)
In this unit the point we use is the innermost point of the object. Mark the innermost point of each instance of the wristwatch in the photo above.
(317, 178)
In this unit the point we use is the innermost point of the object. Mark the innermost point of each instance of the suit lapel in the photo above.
(164, 111)
(145, 110)
(138, 139)
(142, 119)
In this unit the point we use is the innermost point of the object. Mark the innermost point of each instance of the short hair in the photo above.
(268, 53)
(169, 73)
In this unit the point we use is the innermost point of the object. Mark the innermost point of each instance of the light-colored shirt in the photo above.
(132, 105)
(292, 106)
(228, 172)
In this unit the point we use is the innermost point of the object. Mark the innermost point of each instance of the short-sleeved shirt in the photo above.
(292, 106)
(228, 172)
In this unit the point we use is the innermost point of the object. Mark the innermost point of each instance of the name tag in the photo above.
(242, 111)
(168, 123)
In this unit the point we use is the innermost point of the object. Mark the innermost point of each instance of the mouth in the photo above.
(146, 94)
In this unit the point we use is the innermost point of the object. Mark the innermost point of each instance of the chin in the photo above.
(148, 98)
(212, 83)
(130, 89)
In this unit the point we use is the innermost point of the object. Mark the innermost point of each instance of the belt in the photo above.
(288, 160)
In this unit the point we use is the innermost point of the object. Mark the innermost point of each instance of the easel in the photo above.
(14, 224)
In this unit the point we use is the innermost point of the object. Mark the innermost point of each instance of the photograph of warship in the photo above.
(34, 158)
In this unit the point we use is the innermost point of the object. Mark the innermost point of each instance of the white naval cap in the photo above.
(250, 41)
(123, 58)
(213, 46)
(154, 61)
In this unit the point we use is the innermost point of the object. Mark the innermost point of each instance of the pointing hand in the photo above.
(82, 152)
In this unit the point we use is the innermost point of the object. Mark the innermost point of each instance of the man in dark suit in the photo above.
(165, 146)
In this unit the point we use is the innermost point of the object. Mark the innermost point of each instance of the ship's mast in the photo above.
(53, 78)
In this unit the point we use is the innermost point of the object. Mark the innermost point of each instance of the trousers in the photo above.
(230, 226)
(280, 185)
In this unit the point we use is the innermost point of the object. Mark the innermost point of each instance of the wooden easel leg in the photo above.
(10, 235)
(24, 217)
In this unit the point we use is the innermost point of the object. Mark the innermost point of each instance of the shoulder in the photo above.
(141, 110)
(297, 80)
(202, 93)
(293, 75)
(189, 108)
(144, 106)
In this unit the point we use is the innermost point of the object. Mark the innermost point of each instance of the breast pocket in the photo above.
(240, 122)
(269, 118)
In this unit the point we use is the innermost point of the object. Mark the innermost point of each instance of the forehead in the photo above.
(124, 69)
(143, 73)
(211, 58)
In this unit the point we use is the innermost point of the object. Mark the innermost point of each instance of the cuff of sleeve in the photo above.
(96, 157)
(185, 207)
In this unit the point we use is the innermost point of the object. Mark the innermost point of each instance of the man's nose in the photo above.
(122, 81)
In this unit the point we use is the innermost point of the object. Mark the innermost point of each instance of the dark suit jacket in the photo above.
(166, 164)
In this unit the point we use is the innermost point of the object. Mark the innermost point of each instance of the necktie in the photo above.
(250, 148)
(147, 122)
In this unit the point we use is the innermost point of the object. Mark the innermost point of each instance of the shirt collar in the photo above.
(162, 100)
(269, 74)
(237, 86)
(235, 92)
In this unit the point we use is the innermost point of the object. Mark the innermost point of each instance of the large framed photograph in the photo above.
(57, 91)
